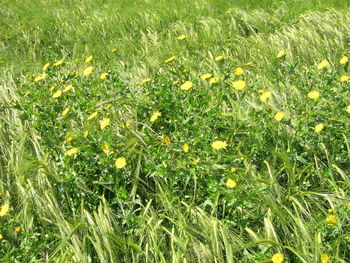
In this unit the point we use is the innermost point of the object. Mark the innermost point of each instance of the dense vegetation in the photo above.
(174, 131)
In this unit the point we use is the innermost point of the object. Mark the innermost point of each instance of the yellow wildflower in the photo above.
(26, 93)
(125, 124)
(265, 96)
(120, 162)
(146, 80)
(238, 71)
(69, 139)
(187, 85)
(181, 37)
(324, 258)
(230, 183)
(277, 258)
(155, 116)
(72, 151)
(218, 145)
(87, 71)
(103, 76)
(1, 236)
(17, 229)
(219, 58)
(238, 84)
(68, 88)
(65, 111)
(281, 54)
(40, 77)
(167, 140)
(92, 116)
(175, 82)
(233, 169)
(348, 109)
(88, 59)
(105, 148)
(319, 127)
(4, 210)
(58, 63)
(185, 147)
(214, 80)
(105, 122)
(348, 206)
(314, 95)
(57, 94)
(46, 66)
(344, 60)
(323, 64)
(206, 76)
(344, 78)
(195, 162)
(114, 50)
(331, 219)
(279, 116)
(86, 133)
(170, 59)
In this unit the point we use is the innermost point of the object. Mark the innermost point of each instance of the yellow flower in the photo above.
(324, 258)
(108, 106)
(279, 116)
(238, 71)
(323, 64)
(105, 148)
(17, 229)
(4, 210)
(344, 60)
(187, 85)
(105, 122)
(92, 116)
(238, 84)
(86, 133)
(65, 111)
(206, 76)
(281, 54)
(348, 109)
(314, 95)
(103, 75)
(72, 151)
(219, 58)
(185, 147)
(233, 169)
(181, 37)
(277, 258)
(125, 124)
(46, 66)
(155, 116)
(167, 140)
(57, 94)
(120, 162)
(87, 71)
(146, 80)
(1, 236)
(40, 77)
(175, 82)
(114, 50)
(195, 162)
(69, 139)
(348, 206)
(214, 80)
(26, 93)
(230, 183)
(218, 145)
(170, 59)
(68, 88)
(331, 219)
(242, 158)
(344, 78)
(88, 59)
(58, 63)
(319, 127)
(265, 96)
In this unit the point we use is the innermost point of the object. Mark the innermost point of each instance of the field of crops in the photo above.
(175, 131)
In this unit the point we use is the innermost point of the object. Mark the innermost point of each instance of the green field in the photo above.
(175, 131)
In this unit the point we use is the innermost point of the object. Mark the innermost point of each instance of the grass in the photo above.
(279, 186)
